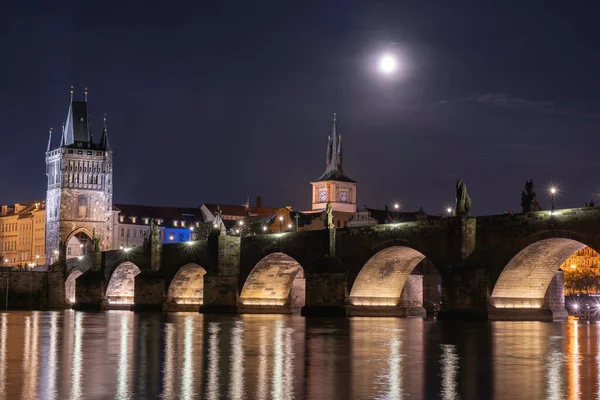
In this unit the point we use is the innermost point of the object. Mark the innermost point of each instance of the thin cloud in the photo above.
(509, 102)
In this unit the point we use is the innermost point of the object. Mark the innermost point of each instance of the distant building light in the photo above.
(171, 238)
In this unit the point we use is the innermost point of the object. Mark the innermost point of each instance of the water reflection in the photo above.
(124, 355)
(236, 387)
(213, 361)
(450, 369)
(76, 366)
(124, 348)
(3, 362)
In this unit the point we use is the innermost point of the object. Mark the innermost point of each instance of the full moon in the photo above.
(388, 64)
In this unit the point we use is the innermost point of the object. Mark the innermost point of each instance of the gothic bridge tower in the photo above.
(80, 185)
(334, 186)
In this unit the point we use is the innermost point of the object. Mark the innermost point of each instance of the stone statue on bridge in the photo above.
(329, 213)
(463, 201)
(528, 201)
(154, 233)
(95, 242)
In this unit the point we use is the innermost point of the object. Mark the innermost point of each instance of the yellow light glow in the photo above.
(573, 266)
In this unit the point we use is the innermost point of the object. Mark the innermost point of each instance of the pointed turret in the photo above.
(104, 138)
(333, 160)
(49, 141)
(77, 125)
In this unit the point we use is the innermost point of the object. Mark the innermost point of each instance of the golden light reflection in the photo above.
(395, 370)
(213, 362)
(123, 369)
(554, 371)
(262, 363)
(52, 357)
(169, 370)
(30, 356)
(236, 388)
(3, 334)
(76, 365)
(573, 362)
(187, 371)
(450, 367)
(288, 371)
(277, 390)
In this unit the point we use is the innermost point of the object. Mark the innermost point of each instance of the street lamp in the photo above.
(281, 223)
(171, 238)
(553, 192)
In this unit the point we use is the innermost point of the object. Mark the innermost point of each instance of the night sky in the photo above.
(216, 101)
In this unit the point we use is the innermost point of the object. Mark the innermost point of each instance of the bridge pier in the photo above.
(220, 294)
(326, 288)
(89, 290)
(149, 292)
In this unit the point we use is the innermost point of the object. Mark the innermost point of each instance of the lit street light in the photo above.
(553, 191)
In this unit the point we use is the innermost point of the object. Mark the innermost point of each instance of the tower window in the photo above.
(82, 206)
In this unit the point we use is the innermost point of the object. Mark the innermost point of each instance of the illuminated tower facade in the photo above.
(334, 186)
(80, 186)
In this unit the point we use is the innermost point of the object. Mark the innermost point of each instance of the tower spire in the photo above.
(49, 140)
(62, 136)
(72, 93)
(334, 169)
(86, 93)
(104, 139)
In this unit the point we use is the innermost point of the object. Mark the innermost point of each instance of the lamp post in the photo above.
(281, 223)
(241, 229)
(37, 259)
(553, 192)
(396, 207)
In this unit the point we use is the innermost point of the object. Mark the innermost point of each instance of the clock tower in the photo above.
(334, 186)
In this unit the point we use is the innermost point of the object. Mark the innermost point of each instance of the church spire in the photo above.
(49, 141)
(333, 159)
(104, 139)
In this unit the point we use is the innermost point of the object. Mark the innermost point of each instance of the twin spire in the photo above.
(333, 157)
(77, 129)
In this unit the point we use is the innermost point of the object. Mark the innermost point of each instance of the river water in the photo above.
(125, 355)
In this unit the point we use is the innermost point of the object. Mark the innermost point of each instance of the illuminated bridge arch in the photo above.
(70, 285)
(525, 279)
(276, 284)
(121, 286)
(381, 281)
(187, 287)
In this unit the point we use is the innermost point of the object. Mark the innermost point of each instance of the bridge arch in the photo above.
(524, 281)
(121, 286)
(187, 286)
(277, 280)
(70, 286)
(382, 280)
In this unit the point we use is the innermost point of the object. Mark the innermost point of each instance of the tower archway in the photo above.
(276, 284)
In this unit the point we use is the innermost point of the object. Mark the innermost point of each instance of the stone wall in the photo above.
(32, 290)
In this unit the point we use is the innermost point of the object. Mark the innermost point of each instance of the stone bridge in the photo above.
(496, 267)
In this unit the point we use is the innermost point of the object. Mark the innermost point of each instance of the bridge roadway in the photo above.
(496, 267)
